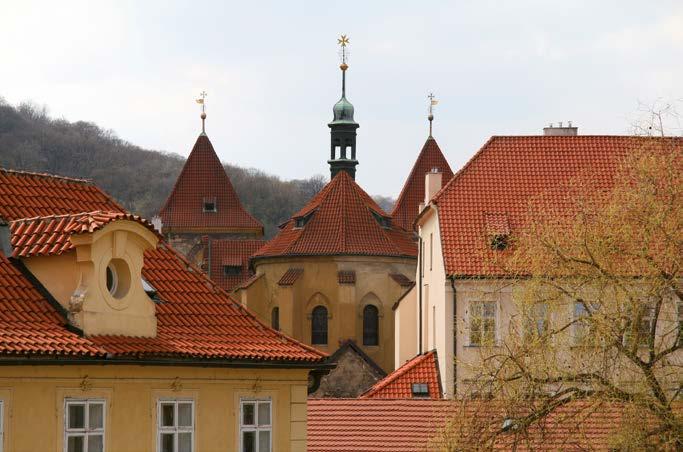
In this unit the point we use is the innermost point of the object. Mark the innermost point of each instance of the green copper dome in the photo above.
(343, 112)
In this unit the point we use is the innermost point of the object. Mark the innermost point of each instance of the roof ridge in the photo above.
(47, 175)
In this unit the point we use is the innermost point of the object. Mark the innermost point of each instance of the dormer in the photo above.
(91, 263)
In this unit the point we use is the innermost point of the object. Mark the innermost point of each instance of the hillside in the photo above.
(140, 179)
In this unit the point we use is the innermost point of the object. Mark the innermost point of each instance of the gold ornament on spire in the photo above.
(202, 102)
(432, 103)
(343, 41)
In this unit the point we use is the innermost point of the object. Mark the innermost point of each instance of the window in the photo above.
(232, 270)
(639, 330)
(319, 326)
(256, 426)
(385, 222)
(583, 328)
(538, 320)
(118, 278)
(275, 318)
(300, 222)
(84, 425)
(420, 390)
(210, 205)
(483, 323)
(175, 425)
(499, 242)
(370, 325)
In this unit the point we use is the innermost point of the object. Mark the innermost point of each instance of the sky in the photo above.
(271, 71)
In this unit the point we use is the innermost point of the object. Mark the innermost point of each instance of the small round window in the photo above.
(117, 278)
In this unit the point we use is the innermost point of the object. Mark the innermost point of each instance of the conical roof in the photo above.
(340, 220)
(203, 179)
(413, 193)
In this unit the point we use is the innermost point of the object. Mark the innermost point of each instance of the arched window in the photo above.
(319, 326)
(275, 318)
(370, 325)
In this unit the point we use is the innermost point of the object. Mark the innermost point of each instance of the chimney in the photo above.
(561, 131)
(156, 222)
(5, 239)
(432, 184)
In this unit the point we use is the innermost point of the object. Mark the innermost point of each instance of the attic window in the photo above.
(300, 222)
(210, 205)
(149, 289)
(232, 270)
(383, 221)
(420, 390)
(499, 242)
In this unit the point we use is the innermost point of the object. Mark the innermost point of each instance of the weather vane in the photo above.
(202, 102)
(343, 41)
(432, 103)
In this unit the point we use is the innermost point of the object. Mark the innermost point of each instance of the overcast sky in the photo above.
(271, 73)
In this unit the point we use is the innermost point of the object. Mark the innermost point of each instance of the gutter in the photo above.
(455, 338)
(419, 296)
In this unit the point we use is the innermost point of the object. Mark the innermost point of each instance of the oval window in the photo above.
(117, 278)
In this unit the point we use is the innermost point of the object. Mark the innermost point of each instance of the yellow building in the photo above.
(337, 266)
(111, 340)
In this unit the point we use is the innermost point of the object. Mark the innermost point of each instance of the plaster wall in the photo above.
(406, 328)
(319, 285)
(33, 399)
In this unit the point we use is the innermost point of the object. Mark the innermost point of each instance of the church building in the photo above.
(337, 266)
(204, 219)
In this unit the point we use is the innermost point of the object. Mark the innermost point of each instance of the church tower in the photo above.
(343, 127)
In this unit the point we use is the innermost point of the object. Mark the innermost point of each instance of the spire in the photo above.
(202, 102)
(432, 103)
(343, 127)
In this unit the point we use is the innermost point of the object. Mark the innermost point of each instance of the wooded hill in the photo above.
(140, 179)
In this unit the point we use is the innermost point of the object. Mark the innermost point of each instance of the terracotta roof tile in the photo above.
(410, 425)
(346, 277)
(290, 276)
(203, 177)
(340, 219)
(413, 192)
(492, 192)
(42, 236)
(195, 317)
(401, 279)
(398, 384)
(225, 252)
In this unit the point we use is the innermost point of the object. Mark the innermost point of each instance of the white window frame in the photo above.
(175, 429)
(471, 317)
(256, 427)
(86, 431)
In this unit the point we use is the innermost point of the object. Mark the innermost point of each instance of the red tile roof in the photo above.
(232, 253)
(26, 195)
(492, 192)
(195, 317)
(203, 177)
(340, 219)
(413, 193)
(50, 235)
(346, 277)
(290, 276)
(398, 384)
(395, 425)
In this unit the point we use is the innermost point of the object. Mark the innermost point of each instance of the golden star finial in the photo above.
(343, 40)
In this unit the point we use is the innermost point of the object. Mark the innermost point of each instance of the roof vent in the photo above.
(561, 130)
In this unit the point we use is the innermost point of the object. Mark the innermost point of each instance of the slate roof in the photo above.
(195, 317)
(341, 219)
(43, 236)
(413, 192)
(492, 192)
(232, 253)
(423, 368)
(408, 425)
(203, 177)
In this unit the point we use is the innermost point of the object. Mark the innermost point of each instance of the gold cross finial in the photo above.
(343, 41)
(202, 102)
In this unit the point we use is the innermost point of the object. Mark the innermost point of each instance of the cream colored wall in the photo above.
(405, 328)
(34, 398)
(77, 280)
(319, 285)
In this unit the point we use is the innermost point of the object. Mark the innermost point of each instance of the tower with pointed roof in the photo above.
(343, 127)
(430, 159)
(204, 218)
(335, 268)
